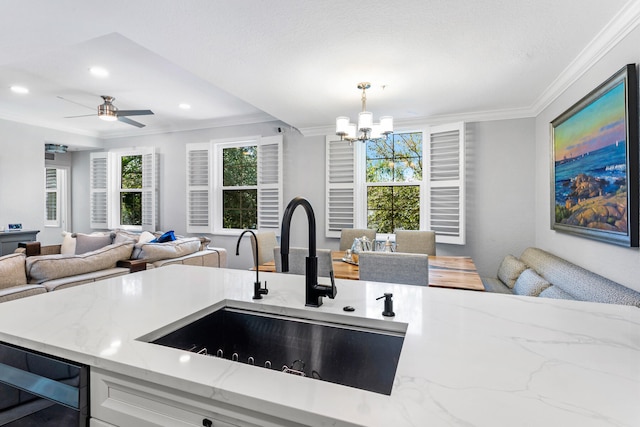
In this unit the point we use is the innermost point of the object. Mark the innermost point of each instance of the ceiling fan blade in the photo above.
(130, 122)
(74, 102)
(84, 115)
(133, 112)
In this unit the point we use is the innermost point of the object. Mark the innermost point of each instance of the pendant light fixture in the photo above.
(366, 129)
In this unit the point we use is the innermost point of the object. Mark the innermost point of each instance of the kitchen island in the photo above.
(468, 358)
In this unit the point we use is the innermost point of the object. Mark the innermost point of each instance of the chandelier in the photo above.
(366, 129)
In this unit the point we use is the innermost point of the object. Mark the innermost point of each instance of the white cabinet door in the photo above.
(122, 401)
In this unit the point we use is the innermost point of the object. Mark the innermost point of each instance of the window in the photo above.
(234, 185)
(410, 180)
(123, 189)
(393, 182)
(52, 198)
(130, 189)
(56, 194)
(240, 187)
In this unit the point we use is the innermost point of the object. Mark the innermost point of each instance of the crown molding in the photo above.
(615, 31)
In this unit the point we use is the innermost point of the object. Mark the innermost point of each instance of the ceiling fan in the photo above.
(109, 112)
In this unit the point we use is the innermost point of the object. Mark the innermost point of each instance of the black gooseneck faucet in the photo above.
(258, 291)
(314, 291)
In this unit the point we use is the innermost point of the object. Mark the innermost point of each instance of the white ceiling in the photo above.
(297, 61)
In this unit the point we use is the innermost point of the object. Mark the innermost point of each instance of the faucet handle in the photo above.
(334, 290)
(258, 291)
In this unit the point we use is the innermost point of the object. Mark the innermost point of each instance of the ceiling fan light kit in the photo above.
(107, 111)
(366, 128)
(108, 117)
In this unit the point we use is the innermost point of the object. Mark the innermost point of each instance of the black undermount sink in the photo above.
(354, 356)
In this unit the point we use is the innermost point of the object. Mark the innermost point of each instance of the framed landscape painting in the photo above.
(594, 171)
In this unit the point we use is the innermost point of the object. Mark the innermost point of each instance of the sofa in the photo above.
(539, 273)
(96, 257)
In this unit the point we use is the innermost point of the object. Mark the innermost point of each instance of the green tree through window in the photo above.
(240, 187)
(131, 190)
(394, 176)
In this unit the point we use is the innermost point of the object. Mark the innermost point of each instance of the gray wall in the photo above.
(500, 198)
(22, 174)
(615, 262)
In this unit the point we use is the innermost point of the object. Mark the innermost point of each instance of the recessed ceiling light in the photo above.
(99, 72)
(19, 89)
(184, 106)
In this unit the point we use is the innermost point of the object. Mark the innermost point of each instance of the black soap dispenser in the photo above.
(388, 305)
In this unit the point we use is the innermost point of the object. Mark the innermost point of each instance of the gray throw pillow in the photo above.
(510, 269)
(530, 283)
(91, 242)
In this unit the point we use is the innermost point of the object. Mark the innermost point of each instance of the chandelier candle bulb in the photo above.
(386, 125)
(365, 121)
(376, 131)
(351, 131)
(342, 126)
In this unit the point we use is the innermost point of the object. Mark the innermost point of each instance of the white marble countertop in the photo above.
(469, 358)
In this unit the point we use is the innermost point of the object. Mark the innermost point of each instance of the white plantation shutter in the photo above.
(52, 197)
(199, 191)
(270, 183)
(340, 187)
(98, 188)
(445, 152)
(149, 194)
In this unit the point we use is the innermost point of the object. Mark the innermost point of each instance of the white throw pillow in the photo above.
(146, 237)
(68, 246)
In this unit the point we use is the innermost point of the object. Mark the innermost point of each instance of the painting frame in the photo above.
(594, 174)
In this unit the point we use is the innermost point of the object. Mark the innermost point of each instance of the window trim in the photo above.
(362, 159)
(117, 190)
(218, 182)
(62, 192)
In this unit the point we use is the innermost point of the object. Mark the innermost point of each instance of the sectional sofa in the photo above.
(542, 274)
(119, 253)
